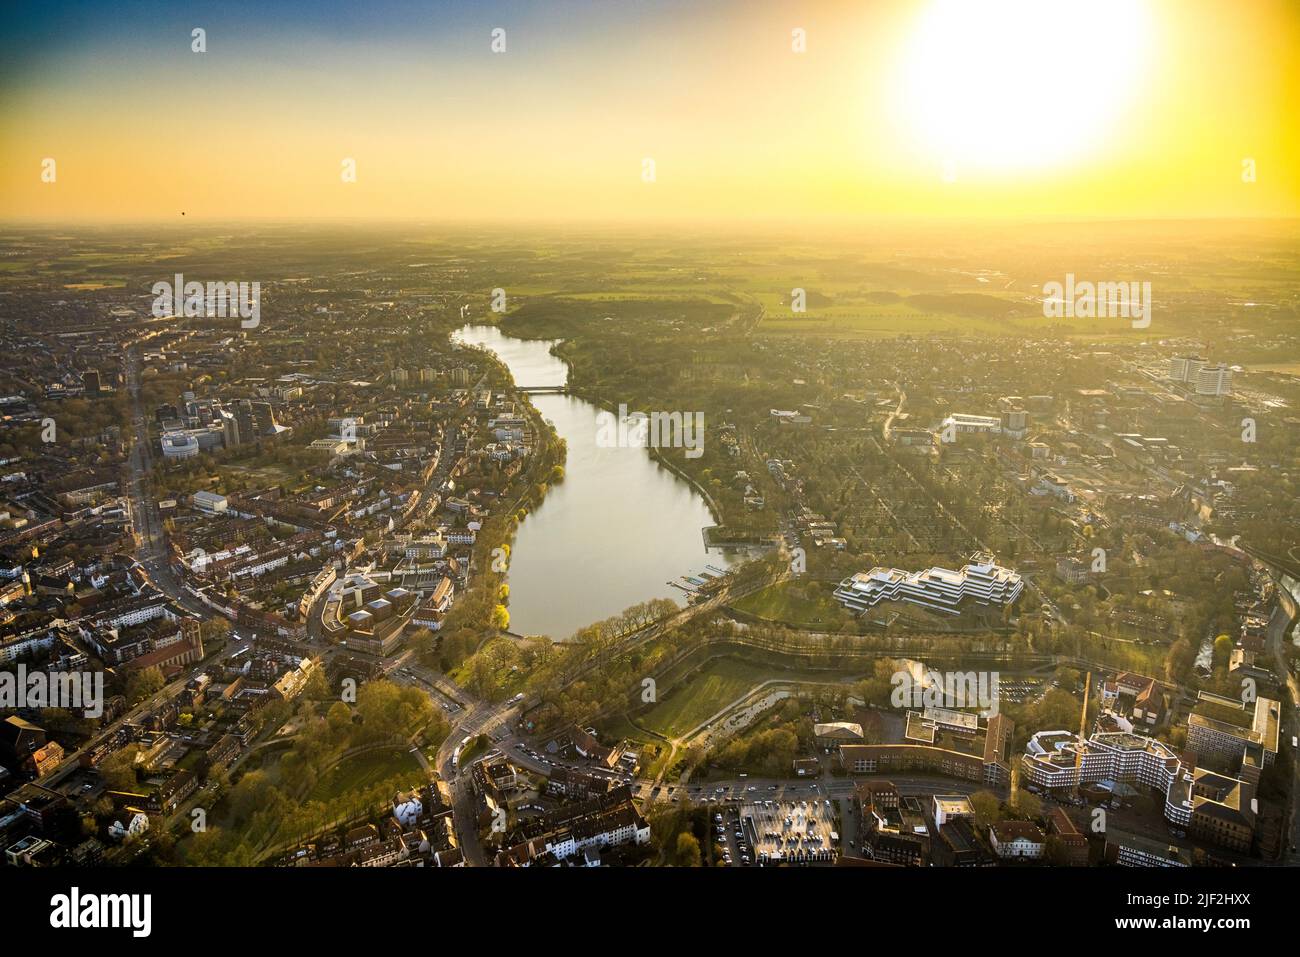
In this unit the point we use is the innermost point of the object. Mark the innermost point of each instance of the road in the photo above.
(898, 410)
(151, 553)
(152, 549)
(1279, 626)
(479, 718)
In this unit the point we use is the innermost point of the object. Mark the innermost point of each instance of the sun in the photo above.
(1017, 85)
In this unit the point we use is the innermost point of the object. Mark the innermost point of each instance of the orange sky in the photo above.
(897, 108)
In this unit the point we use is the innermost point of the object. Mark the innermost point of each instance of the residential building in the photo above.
(1017, 840)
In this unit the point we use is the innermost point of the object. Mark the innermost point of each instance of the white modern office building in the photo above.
(1058, 759)
(1219, 807)
(936, 589)
(1214, 380)
(1185, 368)
(209, 502)
(179, 445)
(961, 422)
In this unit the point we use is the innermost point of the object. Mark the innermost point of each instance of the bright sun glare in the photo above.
(1017, 85)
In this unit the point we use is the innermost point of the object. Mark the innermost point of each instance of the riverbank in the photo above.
(475, 608)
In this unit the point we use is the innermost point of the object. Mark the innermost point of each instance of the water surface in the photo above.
(613, 533)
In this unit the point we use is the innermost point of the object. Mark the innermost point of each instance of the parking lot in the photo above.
(1019, 690)
(729, 834)
(770, 832)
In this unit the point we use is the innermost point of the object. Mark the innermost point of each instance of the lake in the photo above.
(613, 533)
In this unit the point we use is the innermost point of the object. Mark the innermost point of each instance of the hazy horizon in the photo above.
(595, 224)
(830, 112)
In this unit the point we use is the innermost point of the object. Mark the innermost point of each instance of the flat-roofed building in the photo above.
(915, 440)
(381, 608)
(981, 757)
(951, 807)
(1225, 728)
(1219, 807)
(209, 502)
(936, 589)
(1186, 368)
(962, 422)
(1214, 380)
(1072, 571)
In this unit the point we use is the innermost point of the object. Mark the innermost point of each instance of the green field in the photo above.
(361, 771)
(620, 728)
(718, 683)
(683, 706)
(703, 693)
(799, 603)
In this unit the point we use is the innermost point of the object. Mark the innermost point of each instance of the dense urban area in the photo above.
(981, 586)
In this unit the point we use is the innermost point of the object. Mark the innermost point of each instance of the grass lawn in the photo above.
(718, 683)
(479, 744)
(684, 705)
(361, 771)
(804, 604)
(619, 728)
